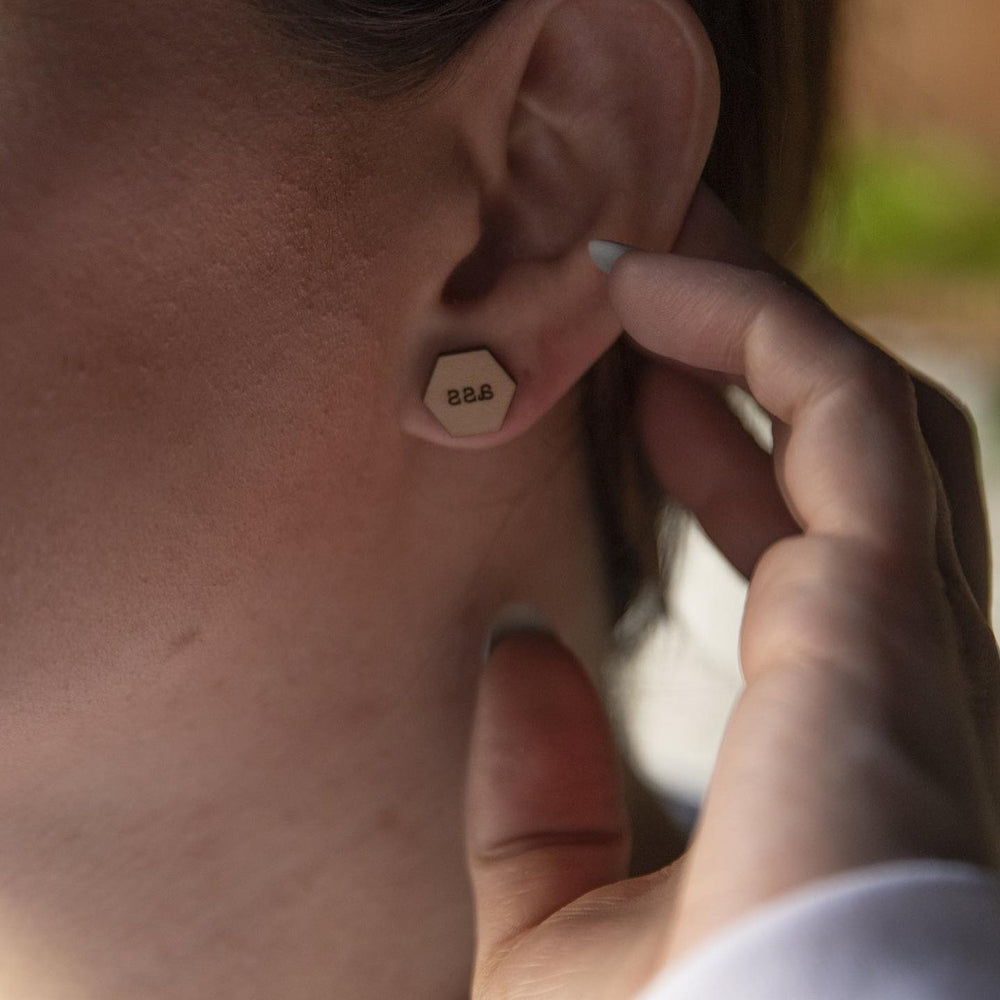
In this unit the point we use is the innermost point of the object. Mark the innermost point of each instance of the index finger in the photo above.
(854, 462)
(710, 231)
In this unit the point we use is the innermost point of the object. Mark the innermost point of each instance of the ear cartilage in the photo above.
(469, 392)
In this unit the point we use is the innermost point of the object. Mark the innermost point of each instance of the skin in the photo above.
(246, 578)
(867, 731)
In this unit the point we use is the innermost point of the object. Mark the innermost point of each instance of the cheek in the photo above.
(163, 309)
(170, 418)
(181, 378)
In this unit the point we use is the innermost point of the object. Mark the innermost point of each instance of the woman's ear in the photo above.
(579, 120)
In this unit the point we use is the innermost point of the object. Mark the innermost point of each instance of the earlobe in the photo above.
(582, 119)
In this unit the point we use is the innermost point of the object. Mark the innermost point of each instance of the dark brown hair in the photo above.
(774, 63)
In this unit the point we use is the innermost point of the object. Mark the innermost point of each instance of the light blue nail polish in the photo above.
(510, 620)
(605, 253)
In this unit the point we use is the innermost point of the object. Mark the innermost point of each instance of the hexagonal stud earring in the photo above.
(469, 392)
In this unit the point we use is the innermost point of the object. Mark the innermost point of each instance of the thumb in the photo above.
(546, 816)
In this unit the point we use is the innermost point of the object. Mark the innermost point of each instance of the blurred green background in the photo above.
(907, 214)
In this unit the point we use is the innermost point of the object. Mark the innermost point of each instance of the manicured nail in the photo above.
(605, 253)
(512, 619)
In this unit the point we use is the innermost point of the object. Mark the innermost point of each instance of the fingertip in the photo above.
(606, 253)
(513, 619)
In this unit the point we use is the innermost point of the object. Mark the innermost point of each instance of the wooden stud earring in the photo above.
(469, 392)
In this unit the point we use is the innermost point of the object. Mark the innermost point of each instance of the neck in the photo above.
(235, 723)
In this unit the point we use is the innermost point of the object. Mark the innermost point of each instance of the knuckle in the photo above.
(778, 304)
(811, 594)
(782, 601)
(771, 566)
(881, 377)
(772, 296)
(776, 288)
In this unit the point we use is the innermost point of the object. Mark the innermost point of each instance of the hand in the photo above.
(867, 731)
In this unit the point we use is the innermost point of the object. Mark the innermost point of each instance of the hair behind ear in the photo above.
(774, 62)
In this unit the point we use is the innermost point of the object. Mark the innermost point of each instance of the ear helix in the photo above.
(469, 392)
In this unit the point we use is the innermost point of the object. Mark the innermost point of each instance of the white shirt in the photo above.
(903, 930)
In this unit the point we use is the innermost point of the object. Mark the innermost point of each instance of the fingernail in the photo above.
(512, 619)
(605, 253)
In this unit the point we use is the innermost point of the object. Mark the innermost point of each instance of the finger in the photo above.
(711, 232)
(854, 464)
(978, 656)
(978, 659)
(546, 816)
(951, 439)
(709, 463)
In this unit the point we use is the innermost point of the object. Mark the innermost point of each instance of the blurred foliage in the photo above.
(889, 210)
